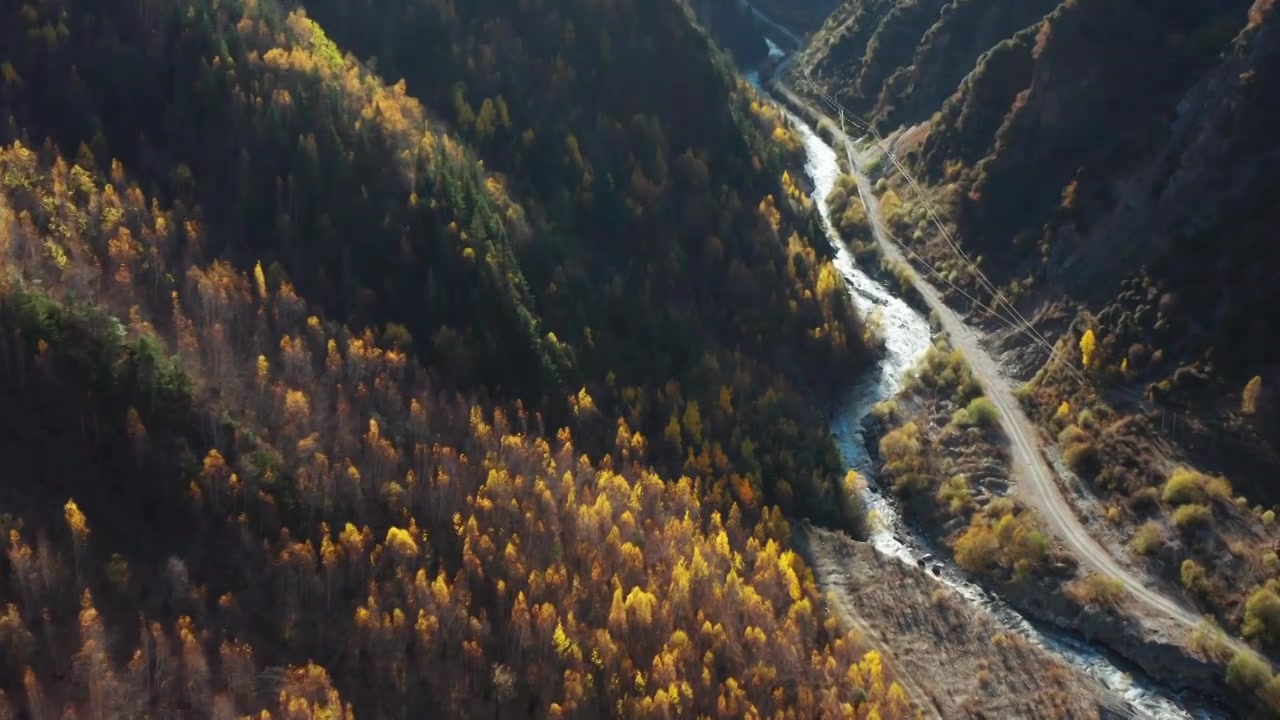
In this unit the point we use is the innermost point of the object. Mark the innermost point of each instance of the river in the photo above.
(907, 336)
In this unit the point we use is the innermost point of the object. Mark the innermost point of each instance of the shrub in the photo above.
(839, 195)
(999, 507)
(1064, 412)
(1026, 550)
(885, 409)
(1188, 486)
(1072, 435)
(1209, 640)
(1021, 542)
(854, 218)
(968, 386)
(1219, 488)
(1262, 616)
(1184, 487)
(892, 206)
(1145, 499)
(1189, 517)
(1082, 458)
(904, 459)
(983, 412)
(977, 550)
(1271, 694)
(1148, 539)
(1194, 578)
(1247, 672)
(1096, 590)
(901, 274)
(955, 495)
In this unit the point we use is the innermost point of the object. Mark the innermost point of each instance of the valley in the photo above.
(528, 359)
(907, 335)
(1164, 619)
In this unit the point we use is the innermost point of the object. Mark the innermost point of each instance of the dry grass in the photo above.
(967, 663)
(1097, 591)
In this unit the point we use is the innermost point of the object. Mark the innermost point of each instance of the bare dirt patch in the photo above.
(955, 654)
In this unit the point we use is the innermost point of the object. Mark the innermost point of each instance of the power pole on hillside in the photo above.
(842, 121)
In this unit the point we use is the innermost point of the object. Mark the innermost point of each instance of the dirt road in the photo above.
(1037, 484)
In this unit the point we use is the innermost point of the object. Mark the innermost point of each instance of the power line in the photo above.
(991, 288)
(1022, 324)
(1164, 603)
(1052, 349)
(1025, 325)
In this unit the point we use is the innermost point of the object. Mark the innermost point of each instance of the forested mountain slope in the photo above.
(576, 290)
(1109, 165)
(621, 265)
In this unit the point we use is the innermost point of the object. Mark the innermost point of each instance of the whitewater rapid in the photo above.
(907, 336)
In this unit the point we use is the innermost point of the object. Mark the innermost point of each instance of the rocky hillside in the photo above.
(1109, 166)
(896, 62)
(1088, 148)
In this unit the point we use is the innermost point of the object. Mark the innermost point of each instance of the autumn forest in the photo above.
(437, 359)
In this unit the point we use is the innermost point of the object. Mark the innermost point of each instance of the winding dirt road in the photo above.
(1038, 486)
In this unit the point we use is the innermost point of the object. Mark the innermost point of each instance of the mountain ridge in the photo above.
(339, 406)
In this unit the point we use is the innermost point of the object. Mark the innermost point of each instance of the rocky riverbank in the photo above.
(960, 658)
(1044, 599)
